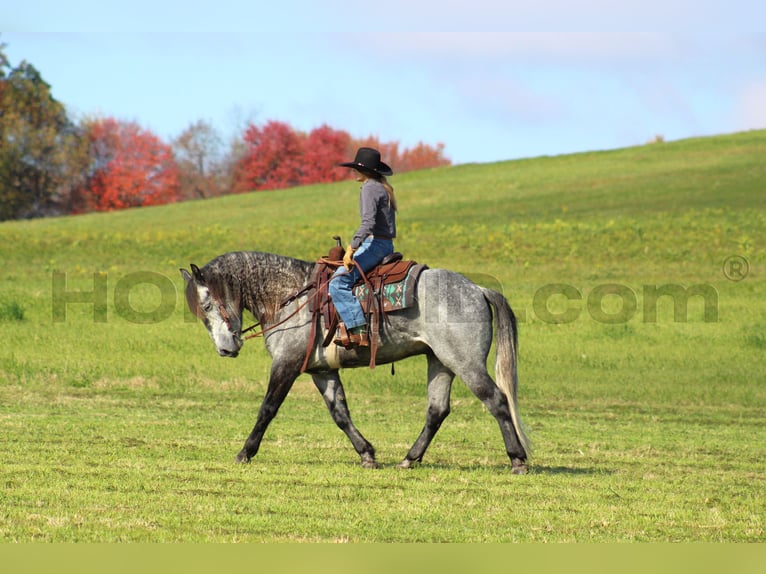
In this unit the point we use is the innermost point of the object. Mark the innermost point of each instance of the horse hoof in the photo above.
(519, 469)
(242, 458)
(406, 463)
(370, 464)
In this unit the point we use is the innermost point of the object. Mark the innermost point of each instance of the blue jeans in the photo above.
(370, 253)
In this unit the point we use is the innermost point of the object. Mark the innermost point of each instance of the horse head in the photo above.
(210, 300)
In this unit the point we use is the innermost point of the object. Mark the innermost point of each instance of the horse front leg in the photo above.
(439, 387)
(331, 389)
(281, 381)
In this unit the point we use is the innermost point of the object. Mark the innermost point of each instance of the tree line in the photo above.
(51, 164)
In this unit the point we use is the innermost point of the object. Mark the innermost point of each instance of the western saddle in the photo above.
(393, 270)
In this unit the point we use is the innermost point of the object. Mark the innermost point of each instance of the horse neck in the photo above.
(261, 281)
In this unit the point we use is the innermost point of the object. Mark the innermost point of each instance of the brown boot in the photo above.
(357, 336)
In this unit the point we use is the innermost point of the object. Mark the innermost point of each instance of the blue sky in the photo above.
(409, 71)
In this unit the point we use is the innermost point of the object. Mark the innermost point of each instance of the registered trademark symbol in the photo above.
(736, 268)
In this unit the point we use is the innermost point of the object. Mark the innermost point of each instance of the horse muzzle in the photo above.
(229, 346)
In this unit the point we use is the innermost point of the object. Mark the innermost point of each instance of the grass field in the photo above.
(120, 422)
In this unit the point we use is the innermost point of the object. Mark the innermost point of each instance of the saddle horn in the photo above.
(337, 252)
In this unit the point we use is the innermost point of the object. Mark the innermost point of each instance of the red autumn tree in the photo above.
(273, 158)
(129, 167)
(323, 150)
(277, 156)
(422, 156)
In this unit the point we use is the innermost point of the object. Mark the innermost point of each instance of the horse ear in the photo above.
(186, 275)
(196, 272)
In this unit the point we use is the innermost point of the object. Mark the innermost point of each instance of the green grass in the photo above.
(645, 430)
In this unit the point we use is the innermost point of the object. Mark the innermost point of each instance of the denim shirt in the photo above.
(378, 217)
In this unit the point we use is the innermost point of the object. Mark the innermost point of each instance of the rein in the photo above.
(286, 302)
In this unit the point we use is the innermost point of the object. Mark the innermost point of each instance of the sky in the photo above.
(583, 76)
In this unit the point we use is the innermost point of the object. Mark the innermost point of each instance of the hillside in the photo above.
(506, 213)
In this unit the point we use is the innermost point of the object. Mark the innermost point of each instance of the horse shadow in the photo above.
(566, 470)
(500, 467)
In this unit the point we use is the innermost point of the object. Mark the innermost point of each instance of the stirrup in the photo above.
(341, 336)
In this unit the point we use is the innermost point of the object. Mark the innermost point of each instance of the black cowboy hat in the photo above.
(368, 159)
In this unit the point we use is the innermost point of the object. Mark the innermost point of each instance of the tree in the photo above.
(273, 157)
(323, 150)
(201, 168)
(277, 156)
(422, 156)
(129, 167)
(42, 153)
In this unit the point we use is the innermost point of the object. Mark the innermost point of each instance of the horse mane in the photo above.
(254, 280)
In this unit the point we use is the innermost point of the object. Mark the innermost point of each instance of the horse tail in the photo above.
(506, 343)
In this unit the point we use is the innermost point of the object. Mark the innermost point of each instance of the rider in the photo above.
(370, 244)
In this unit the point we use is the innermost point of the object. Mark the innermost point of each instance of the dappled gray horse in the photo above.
(451, 323)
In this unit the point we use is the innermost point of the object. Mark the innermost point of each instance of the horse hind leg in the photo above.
(485, 389)
(439, 386)
(331, 389)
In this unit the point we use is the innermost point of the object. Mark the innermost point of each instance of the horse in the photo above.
(451, 323)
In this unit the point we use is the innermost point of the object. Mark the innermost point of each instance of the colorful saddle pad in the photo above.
(394, 295)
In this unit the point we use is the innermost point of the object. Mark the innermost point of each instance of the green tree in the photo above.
(42, 154)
